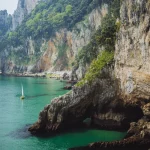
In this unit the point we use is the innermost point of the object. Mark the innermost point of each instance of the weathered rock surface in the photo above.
(127, 144)
(56, 54)
(73, 108)
(97, 101)
(146, 110)
(107, 101)
(70, 42)
(132, 67)
(23, 9)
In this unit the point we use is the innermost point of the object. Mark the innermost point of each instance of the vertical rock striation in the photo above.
(107, 102)
(132, 55)
(64, 46)
(54, 54)
(23, 9)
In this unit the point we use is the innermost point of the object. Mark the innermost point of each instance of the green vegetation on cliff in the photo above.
(103, 39)
(48, 17)
(96, 66)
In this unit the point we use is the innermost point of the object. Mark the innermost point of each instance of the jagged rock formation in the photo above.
(75, 106)
(127, 144)
(103, 100)
(23, 9)
(96, 101)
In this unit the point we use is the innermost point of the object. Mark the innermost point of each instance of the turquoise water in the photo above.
(16, 116)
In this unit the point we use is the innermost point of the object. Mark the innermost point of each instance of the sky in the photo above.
(9, 5)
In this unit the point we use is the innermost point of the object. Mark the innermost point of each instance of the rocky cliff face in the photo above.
(98, 101)
(111, 103)
(64, 46)
(58, 53)
(71, 109)
(132, 53)
(23, 9)
(5, 22)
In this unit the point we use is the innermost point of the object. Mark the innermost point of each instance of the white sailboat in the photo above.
(22, 97)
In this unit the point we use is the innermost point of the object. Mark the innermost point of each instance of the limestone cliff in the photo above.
(57, 53)
(120, 95)
(64, 46)
(5, 22)
(98, 101)
(132, 55)
(23, 9)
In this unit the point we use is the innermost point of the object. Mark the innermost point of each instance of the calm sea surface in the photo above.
(16, 115)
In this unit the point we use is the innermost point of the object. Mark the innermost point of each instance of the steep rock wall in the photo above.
(100, 100)
(5, 22)
(24, 7)
(132, 53)
(64, 46)
(57, 53)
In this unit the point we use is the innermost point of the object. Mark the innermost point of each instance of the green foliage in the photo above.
(68, 9)
(118, 24)
(104, 37)
(115, 8)
(62, 50)
(96, 66)
(62, 55)
(50, 16)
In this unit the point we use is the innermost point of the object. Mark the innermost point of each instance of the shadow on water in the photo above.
(21, 133)
(77, 129)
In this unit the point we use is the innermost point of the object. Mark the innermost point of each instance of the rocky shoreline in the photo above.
(24, 75)
(120, 97)
(126, 144)
(138, 137)
(100, 102)
(58, 74)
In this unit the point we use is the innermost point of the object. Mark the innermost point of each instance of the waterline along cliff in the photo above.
(106, 46)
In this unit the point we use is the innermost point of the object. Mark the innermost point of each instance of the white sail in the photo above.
(22, 91)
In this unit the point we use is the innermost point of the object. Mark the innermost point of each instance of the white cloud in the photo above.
(9, 5)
